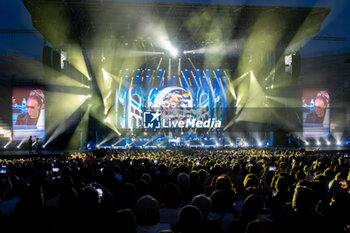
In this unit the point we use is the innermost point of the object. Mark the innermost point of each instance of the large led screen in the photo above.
(196, 101)
(316, 113)
(28, 113)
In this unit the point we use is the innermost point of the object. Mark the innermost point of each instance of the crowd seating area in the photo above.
(180, 191)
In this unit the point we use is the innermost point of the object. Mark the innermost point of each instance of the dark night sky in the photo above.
(13, 15)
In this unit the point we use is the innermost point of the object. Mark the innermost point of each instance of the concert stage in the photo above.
(146, 75)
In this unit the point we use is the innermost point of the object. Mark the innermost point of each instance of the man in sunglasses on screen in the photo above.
(31, 117)
(321, 105)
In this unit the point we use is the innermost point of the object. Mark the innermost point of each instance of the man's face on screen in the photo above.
(33, 108)
(320, 107)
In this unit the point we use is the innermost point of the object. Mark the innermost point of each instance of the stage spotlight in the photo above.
(231, 144)
(44, 146)
(328, 143)
(108, 120)
(259, 144)
(82, 98)
(338, 143)
(173, 52)
(145, 133)
(7, 144)
(246, 144)
(306, 143)
(20, 144)
(318, 143)
(107, 96)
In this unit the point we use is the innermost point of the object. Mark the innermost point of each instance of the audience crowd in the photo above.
(179, 191)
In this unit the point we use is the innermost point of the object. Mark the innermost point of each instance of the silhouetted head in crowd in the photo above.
(235, 169)
(282, 185)
(224, 183)
(123, 221)
(146, 177)
(329, 173)
(302, 200)
(64, 182)
(252, 206)
(304, 182)
(183, 180)
(89, 198)
(127, 194)
(219, 202)
(69, 198)
(147, 211)
(202, 176)
(262, 224)
(194, 177)
(170, 193)
(254, 169)
(306, 169)
(251, 180)
(141, 188)
(300, 175)
(319, 189)
(190, 220)
(203, 203)
(155, 189)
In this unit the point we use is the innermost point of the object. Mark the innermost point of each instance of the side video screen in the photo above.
(28, 113)
(316, 113)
